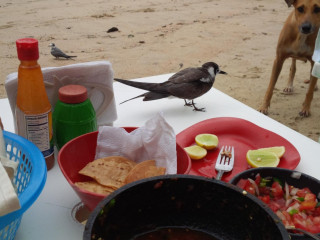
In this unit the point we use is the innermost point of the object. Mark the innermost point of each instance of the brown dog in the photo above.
(296, 40)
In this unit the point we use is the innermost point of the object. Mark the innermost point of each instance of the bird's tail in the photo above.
(141, 85)
(142, 95)
(72, 56)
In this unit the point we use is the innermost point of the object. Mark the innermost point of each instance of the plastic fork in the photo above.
(225, 161)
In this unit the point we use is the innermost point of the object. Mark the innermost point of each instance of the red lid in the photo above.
(27, 49)
(73, 94)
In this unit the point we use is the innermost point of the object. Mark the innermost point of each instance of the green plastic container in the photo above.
(73, 115)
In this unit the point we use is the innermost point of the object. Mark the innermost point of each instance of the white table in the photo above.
(50, 216)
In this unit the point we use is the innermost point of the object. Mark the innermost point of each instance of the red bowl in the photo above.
(78, 152)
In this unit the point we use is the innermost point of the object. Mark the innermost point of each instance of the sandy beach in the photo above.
(163, 36)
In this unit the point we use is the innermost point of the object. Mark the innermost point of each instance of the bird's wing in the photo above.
(149, 96)
(58, 52)
(188, 90)
(188, 75)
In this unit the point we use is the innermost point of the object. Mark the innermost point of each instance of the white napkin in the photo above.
(316, 58)
(10, 166)
(9, 200)
(155, 140)
(97, 77)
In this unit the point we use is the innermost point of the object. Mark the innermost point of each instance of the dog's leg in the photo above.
(309, 80)
(305, 112)
(289, 88)
(276, 69)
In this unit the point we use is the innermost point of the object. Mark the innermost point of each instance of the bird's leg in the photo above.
(197, 109)
(187, 103)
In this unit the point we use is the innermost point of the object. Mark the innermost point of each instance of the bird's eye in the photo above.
(300, 9)
(316, 9)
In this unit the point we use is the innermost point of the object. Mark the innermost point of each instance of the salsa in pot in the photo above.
(296, 207)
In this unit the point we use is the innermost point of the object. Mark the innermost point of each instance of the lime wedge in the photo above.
(279, 151)
(207, 141)
(196, 152)
(261, 158)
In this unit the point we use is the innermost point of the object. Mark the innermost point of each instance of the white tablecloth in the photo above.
(50, 216)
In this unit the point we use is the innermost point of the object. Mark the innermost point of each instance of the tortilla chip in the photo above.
(153, 171)
(109, 171)
(144, 169)
(93, 186)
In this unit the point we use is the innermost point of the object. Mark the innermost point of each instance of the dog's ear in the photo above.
(290, 2)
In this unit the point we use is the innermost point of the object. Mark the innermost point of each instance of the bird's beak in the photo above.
(222, 72)
(50, 45)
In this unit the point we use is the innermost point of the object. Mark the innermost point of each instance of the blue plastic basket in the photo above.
(29, 180)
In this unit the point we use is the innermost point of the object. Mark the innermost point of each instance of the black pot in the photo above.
(199, 203)
(294, 178)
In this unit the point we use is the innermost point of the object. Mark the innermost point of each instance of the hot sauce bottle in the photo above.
(33, 109)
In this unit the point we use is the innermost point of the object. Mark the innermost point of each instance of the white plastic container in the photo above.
(316, 58)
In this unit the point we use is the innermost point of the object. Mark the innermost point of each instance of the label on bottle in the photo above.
(37, 129)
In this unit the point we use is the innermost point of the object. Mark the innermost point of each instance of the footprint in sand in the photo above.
(6, 26)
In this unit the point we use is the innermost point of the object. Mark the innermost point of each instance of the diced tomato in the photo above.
(264, 190)
(307, 205)
(316, 212)
(258, 179)
(287, 215)
(249, 187)
(281, 202)
(242, 183)
(274, 206)
(288, 221)
(265, 198)
(306, 214)
(282, 218)
(314, 228)
(276, 190)
(310, 197)
(294, 202)
(316, 220)
(307, 224)
(299, 222)
(302, 192)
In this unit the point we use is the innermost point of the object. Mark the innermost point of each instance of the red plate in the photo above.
(241, 134)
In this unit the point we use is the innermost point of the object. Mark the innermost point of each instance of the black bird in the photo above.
(187, 84)
(57, 53)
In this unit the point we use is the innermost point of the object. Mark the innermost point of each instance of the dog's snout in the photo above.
(306, 28)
